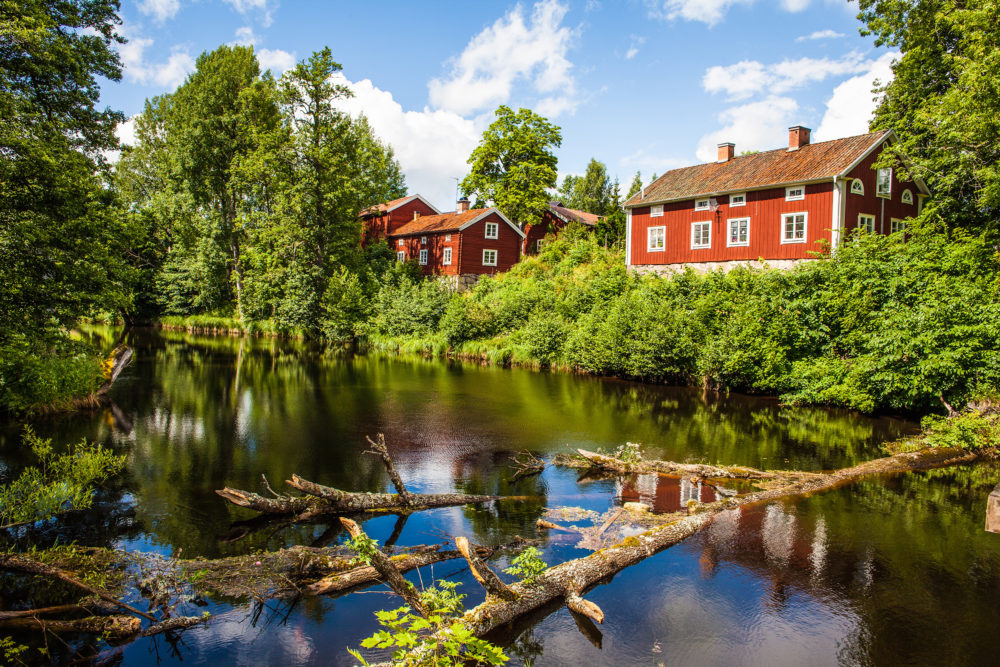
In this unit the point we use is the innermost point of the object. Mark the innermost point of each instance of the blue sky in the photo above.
(641, 85)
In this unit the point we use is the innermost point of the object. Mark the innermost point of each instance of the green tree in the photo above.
(593, 192)
(943, 100)
(514, 166)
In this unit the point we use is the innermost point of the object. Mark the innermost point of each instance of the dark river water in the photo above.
(882, 572)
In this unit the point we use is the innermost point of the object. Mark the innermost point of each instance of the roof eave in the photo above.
(756, 188)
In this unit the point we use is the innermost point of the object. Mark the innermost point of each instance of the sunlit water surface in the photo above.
(883, 572)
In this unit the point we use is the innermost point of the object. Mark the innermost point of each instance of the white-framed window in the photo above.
(857, 187)
(738, 199)
(400, 256)
(701, 204)
(423, 256)
(447, 238)
(539, 244)
(701, 234)
(656, 239)
(492, 230)
(656, 211)
(739, 232)
(896, 225)
(793, 227)
(883, 183)
(489, 257)
(446, 256)
(423, 240)
(866, 222)
(906, 197)
(399, 242)
(795, 193)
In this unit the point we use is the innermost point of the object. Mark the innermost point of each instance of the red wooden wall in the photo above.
(763, 207)
(883, 209)
(436, 243)
(378, 226)
(474, 241)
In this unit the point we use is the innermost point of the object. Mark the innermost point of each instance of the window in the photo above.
(399, 242)
(447, 237)
(866, 222)
(446, 256)
(906, 197)
(738, 199)
(883, 183)
(538, 245)
(857, 187)
(423, 256)
(739, 232)
(795, 193)
(489, 258)
(701, 204)
(400, 256)
(657, 238)
(656, 211)
(896, 225)
(701, 234)
(793, 228)
(492, 230)
(423, 240)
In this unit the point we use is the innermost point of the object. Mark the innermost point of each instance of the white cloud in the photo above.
(432, 146)
(161, 10)
(126, 132)
(633, 50)
(820, 34)
(794, 5)
(760, 125)
(852, 104)
(245, 36)
(750, 77)
(169, 74)
(246, 6)
(706, 11)
(513, 49)
(631, 53)
(275, 60)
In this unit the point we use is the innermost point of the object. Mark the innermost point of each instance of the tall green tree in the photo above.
(593, 192)
(943, 100)
(514, 166)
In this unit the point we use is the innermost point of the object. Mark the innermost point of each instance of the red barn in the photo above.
(780, 206)
(464, 243)
(556, 217)
(382, 219)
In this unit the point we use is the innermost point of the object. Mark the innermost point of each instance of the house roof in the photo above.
(385, 207)
(813, 162)
(572, 214)
(452, 221)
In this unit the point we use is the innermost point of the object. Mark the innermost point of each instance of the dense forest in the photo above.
(238, 206)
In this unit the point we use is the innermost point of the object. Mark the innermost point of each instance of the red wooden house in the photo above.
(382, 219)
(555, 218)
(465, 243)
(779, 206)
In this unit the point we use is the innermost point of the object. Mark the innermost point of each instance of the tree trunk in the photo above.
(116, 627)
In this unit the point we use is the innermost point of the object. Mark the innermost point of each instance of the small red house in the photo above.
(463, 243)
(382, 219)
(778, 206)
(556, 217)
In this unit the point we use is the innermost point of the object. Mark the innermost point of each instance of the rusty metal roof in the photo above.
(812, 162)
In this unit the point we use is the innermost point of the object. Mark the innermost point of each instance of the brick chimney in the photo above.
(726, 152)
(798, 137)
(416, 214)
(463, 204)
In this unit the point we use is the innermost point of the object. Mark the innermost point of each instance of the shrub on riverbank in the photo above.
(36, 376)
(887, 323)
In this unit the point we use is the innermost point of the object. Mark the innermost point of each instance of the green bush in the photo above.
(38, 376)
(971, 429)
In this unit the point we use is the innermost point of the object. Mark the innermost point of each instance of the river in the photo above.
(883, 572)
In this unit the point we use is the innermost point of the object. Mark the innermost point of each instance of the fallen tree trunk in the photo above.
(699, 470)
(113, 627)
(94, 607)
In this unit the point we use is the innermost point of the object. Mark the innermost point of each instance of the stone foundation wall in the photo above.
(464, 282)
(705, 267)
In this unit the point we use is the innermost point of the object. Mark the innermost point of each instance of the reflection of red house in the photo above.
(466, 242)
(555, 218)
(780, 206)
(664, 494)
(382, 219)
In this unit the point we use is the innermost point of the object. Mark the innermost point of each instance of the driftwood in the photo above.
(97, 607)
(113, 627)
(482, 572)
(387, 570)
(323, 500)
(612, 464)
(527, 465)
(120, 357)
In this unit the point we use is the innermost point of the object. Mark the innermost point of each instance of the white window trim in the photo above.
(897, 222)
(399, 242)
(539, 244)
(496, 257)
(423, 257)
(907, 197)
(423, 240)
(496, 230)
(702, 204)
(805, 227)
(447, 237)
(702, 246)
(737, 194)
(857, 187)
(729, 233)
(885, 195)
(790, 197)
(400, 256)
(656, 211)
(446, 257)
(868, 216)
(649, 239)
